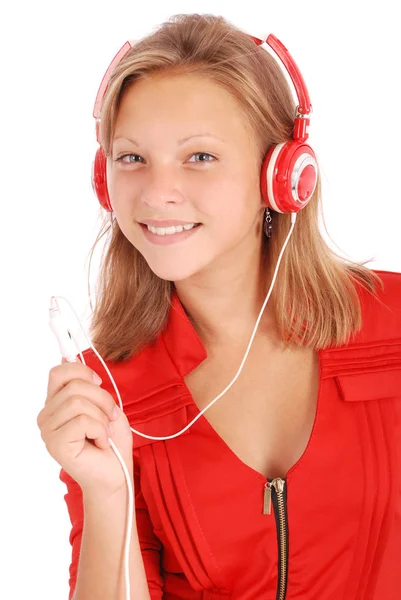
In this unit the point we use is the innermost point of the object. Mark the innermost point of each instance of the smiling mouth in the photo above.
(167, 227)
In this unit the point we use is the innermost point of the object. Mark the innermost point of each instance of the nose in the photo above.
(162, 187)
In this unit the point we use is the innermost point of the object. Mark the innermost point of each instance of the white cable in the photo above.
(63, 335)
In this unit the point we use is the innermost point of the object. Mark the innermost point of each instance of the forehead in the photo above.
(179, 83)
(181, 98)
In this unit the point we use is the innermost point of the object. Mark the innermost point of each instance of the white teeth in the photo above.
(170, 230)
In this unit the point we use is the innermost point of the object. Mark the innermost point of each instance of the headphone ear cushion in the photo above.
(289, 176)
(99, 179)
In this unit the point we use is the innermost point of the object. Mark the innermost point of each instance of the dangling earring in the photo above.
(268, 227)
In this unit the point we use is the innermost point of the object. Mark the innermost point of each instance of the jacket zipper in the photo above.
(275, 491)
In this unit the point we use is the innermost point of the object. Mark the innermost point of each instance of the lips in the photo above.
(166, 226)
(166, 223)
(169, 239)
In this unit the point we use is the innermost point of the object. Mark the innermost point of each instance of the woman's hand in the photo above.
(74, 426)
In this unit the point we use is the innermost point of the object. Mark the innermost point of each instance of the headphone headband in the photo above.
(103, 86)
(278, 47)
(305, 106)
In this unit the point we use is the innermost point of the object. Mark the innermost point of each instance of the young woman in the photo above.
(289, 486)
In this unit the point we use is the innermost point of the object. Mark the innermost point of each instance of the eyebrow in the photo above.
(179, 143)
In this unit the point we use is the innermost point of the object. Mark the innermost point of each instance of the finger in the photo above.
(77, 430)
(85, 427)
(62, 374)
(75, 407)
(80, 388)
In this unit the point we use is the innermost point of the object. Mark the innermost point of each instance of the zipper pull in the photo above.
(267, 499)
(278, 484)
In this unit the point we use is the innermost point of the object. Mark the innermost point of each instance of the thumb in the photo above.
(121, 424)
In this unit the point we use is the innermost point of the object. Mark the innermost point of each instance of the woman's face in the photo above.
(212, 179)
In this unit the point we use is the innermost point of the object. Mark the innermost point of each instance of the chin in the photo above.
(174, 273)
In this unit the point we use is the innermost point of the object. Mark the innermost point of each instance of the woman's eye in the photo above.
(202, 154)
(120, 159)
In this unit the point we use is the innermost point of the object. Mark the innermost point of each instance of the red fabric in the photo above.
(199, 508)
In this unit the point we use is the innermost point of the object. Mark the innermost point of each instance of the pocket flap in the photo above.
(371, 385)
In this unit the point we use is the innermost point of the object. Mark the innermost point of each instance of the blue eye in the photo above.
(120, 159)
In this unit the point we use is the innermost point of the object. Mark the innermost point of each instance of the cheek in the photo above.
(112, 185)
(117, 175)
(216, 199)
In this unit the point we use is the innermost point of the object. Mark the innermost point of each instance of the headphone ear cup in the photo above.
(99, 179)
(289, 176)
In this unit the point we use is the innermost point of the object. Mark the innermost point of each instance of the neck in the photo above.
(224, 315)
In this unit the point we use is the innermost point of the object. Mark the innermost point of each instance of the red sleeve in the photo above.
(73, 500)
(150, 544)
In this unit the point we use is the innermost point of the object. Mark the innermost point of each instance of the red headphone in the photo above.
(289, 171)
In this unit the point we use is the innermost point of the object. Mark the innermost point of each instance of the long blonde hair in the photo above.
(315, 300)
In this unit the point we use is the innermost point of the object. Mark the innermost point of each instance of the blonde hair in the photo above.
(315, 300)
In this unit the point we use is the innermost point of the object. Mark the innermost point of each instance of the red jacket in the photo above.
(335, 531)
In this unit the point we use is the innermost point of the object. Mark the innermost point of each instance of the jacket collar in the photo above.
(181, 340)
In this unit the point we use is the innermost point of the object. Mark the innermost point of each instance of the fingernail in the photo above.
(116, 413)
(96, 378)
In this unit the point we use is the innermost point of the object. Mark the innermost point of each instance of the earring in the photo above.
(267, 223)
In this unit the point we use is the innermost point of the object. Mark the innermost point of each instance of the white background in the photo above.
(53, 56)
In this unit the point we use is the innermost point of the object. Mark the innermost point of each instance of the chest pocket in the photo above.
(371, 385)
(368, 371)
